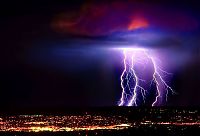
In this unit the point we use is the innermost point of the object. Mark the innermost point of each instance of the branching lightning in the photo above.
(132, 85)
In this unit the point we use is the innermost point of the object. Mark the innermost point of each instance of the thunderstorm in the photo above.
(135, 86)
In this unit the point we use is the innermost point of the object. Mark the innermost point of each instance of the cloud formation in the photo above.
(100, 18)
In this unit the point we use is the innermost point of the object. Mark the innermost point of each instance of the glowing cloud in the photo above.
(106, 18)
(138, 23)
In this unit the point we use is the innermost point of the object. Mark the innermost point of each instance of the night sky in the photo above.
(54, 54)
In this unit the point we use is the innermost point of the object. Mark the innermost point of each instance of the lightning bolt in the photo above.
(131, 84)
(124, 95)
(156, 77)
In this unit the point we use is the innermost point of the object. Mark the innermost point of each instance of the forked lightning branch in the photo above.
(135, 87)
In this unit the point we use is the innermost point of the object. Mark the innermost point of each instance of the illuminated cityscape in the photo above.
(36, 123)
(116, 120)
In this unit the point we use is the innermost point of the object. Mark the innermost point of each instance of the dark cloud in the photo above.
(105, 18)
